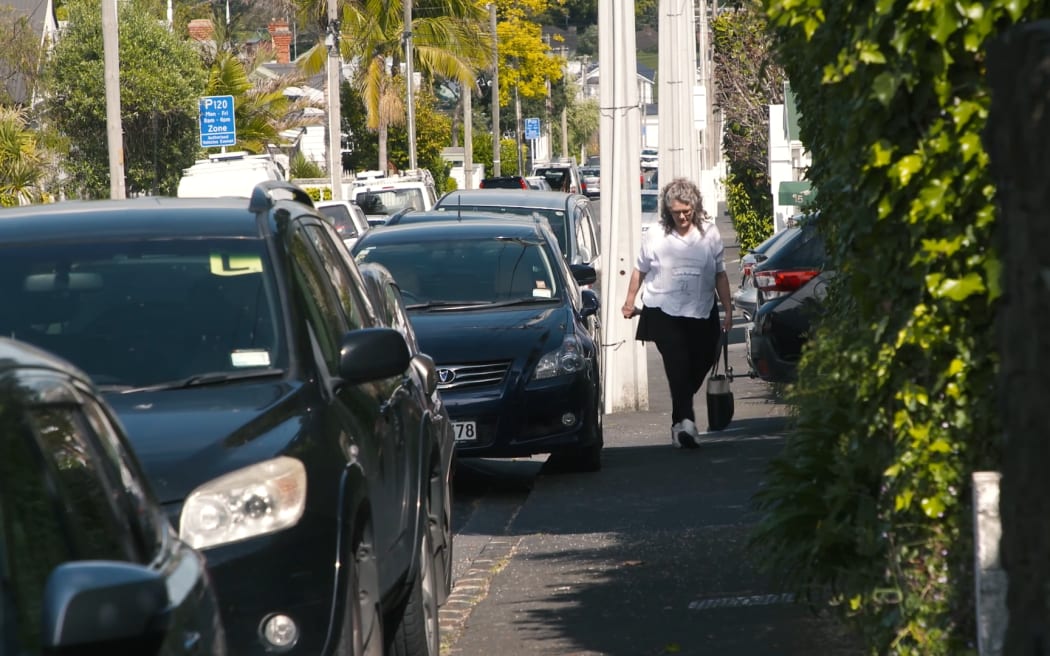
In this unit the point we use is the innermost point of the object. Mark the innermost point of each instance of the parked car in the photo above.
(505, 182)
(650, 210)
(389, 305)
(381, 195)
(347, 217)
(570, 216)
(791, 284)
(538, 182)
(278, 420)
(591, 180)
(745, 298)
(515, 339)
(562, 175)
(91, 564)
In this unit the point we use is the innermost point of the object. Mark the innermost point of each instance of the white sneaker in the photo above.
(684, 435)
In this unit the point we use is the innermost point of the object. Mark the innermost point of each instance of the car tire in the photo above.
(362, 630)
(417, 633)
(441, 529)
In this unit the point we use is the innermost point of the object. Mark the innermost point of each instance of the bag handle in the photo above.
(723, 346)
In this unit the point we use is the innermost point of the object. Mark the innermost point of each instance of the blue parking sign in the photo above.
(532, 128)
(217, 121)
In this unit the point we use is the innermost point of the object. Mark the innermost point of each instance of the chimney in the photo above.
(282, 40)
(201, 29)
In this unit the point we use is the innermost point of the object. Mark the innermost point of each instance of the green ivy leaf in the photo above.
(946, 22)
(908, 166)
(869, 53)
(932, 506)
(955, 289)
(885, 87)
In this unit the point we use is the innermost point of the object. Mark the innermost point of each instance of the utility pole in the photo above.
(496, 132)
(114, 127)
(468, 134)
(517, 129)
(335, 142)
(410, 94)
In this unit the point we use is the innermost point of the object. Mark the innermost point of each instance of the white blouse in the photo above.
(680, 270)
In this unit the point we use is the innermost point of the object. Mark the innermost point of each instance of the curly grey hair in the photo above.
(685, 191)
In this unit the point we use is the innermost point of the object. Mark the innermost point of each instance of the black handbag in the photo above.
(719, 395)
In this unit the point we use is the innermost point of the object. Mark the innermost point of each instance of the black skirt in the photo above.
(654, 323)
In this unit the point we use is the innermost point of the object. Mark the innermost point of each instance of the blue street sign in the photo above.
(216, 120)
(532, 128)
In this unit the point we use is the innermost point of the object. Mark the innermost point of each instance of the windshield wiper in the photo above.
(535, 300)
(446, 305)
(197, 380)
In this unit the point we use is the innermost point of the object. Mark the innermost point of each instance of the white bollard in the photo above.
(989, 577)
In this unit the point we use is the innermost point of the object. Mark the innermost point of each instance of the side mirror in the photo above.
(584, 273)
(103, 603)
(372, 354)
(424, 364)
(591, 304)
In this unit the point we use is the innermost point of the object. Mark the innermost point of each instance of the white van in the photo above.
(228, 174)
(382, 195)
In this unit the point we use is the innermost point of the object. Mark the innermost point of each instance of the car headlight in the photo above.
(264, 498)
(566, 359)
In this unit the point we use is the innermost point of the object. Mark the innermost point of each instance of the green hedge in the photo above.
(895, 404)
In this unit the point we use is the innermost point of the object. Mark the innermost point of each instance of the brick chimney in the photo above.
(201, 29)
(282, 40)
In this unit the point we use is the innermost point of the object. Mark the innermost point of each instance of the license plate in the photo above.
(465, 431)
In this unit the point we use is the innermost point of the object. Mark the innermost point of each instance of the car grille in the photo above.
(480, 374)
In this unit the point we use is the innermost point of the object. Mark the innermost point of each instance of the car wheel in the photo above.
(418, 631)
(362, 631)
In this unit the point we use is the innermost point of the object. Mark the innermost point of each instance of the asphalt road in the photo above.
(643, 558)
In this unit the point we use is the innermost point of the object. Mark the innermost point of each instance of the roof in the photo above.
(142, 217)
(527, 198)
(444, 230)
(15, 354)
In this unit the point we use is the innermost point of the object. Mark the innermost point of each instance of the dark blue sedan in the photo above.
(515, 338)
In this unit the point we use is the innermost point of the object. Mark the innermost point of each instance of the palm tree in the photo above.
(450, 39)
(21, 161)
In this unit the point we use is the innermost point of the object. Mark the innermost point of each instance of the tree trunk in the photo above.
(1016, 138)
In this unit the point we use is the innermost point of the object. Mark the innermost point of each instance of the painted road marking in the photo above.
(742, 600)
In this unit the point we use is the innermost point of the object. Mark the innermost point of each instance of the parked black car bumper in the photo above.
(529, 421)
(291, 572)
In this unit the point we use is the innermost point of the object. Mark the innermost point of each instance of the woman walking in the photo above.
(679, 272)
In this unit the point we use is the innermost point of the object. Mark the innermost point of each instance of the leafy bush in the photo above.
(300, 167)
(894, 405)
(318, 193)
(751, 228)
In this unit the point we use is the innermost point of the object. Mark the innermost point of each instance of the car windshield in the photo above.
(139, 313)
(467, 272)
(390, 201)
(556, 218)
(650, 202)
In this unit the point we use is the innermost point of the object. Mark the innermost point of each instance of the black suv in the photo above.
(278, 421)
(91, 564)
(790, 285)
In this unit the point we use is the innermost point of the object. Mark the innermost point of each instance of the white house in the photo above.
(788, 162)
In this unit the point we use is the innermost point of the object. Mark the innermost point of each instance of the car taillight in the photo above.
(521, 181)
(746, 269)
(783, 281)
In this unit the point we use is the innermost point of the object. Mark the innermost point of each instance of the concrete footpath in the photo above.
(646, 557)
